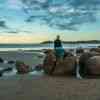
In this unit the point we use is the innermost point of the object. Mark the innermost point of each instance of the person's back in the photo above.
(57, 43)
(59, 51)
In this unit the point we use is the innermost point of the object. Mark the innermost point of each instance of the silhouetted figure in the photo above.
(59, 52)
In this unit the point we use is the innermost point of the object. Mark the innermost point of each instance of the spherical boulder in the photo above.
(97, 50)
(64, 65)
(83, 58)
(83, 69)
(89, 64)
(22, 68)
(93, 65)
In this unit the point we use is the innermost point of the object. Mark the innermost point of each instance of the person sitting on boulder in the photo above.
(59, 51)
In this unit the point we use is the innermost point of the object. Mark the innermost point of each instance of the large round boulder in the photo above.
(93, 65)
(88, 63)
(22, 68)
(83, 58)
(65, 65)
(97, 50)
(83, 70)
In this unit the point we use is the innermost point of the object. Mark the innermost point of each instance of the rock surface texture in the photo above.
(58, 66)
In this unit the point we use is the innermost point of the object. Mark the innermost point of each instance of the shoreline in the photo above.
(36, 47)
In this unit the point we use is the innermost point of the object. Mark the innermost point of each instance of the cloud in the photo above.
(62, 14)
(6, 29)
(14, 4)
(12, 32)
(3, 24)
(9, 30)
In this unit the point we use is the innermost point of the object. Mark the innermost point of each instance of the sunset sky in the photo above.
(14, 29)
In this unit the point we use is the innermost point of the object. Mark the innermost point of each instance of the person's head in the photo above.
(58, 37)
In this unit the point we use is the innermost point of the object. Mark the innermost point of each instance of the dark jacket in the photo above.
(57, 43)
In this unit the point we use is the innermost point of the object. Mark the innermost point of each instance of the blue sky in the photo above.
(13, 25)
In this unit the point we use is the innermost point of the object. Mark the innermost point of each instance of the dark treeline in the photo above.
(46, 42)
(74, 42)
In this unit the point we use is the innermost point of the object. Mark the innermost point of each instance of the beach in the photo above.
(43, 87)
(24, 87)
(49, 49)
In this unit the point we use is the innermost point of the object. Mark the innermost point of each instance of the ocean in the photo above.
(14, 47)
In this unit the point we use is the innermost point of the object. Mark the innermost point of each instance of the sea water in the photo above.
(14, 47)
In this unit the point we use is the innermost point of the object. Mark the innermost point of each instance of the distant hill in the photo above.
(73, 42)
(45, 42)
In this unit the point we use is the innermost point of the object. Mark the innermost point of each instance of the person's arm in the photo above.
(55, 44)
(60, 43)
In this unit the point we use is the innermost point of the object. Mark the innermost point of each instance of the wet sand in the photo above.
(26, 87)
(30, 58)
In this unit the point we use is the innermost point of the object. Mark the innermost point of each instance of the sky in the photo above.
(15, 29)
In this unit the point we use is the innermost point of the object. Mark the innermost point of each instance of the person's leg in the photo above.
(59, 53)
